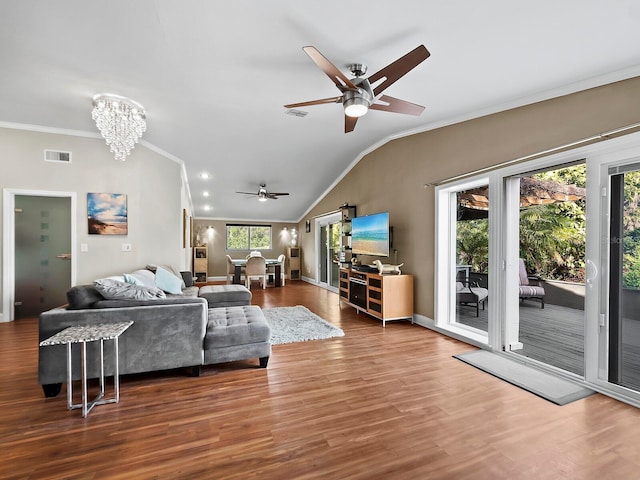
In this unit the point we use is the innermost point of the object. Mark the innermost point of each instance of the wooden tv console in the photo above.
(385, 297)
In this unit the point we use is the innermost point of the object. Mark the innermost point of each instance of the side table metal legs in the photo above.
(99, 399)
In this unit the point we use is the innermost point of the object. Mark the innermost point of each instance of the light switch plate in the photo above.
(126, 247)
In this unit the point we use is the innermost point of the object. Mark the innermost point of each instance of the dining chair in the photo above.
(231, 270)
(256, 267)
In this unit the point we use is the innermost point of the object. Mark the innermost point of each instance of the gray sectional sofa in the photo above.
(168, 332)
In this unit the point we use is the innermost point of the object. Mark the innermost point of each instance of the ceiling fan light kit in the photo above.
(357, 95)
(263, 194)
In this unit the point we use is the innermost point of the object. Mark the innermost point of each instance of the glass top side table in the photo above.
(90, 333)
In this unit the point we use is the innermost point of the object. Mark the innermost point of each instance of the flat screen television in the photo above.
(370, 235)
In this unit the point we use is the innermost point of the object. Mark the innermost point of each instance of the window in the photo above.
(248, 237)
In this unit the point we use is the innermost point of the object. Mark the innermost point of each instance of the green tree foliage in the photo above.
(248, 237)
(472, 244)
(552, 237)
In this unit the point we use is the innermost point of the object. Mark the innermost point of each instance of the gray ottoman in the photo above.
(237, 333)
(226, 295)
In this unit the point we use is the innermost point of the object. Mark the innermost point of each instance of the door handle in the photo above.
(590, 278)
(64, 256)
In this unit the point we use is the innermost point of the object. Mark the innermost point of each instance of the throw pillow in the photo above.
(128, 278)
(82, 296)
(115, 290)
(146, 278)
(154, 268)
(187, 278)
(167, 281)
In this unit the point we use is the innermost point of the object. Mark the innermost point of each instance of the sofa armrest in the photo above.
(163, 336)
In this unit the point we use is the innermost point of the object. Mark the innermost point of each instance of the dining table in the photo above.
(238, 263)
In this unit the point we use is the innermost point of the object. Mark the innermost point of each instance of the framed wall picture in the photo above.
(107, 214)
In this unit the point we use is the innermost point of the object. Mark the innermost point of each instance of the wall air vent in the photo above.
(57, 156)
(296, 113)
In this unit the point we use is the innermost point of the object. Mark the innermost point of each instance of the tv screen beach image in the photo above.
(107, 213)
(370, 235)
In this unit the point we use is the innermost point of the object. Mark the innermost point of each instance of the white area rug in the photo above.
(545, 385)
(298, 324)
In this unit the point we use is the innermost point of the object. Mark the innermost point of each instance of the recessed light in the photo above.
(204, 175)
(206, 208)
(205, 194)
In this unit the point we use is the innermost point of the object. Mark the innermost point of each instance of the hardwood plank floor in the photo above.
(375, 404)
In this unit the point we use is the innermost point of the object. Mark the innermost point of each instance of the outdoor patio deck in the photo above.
(553, 334)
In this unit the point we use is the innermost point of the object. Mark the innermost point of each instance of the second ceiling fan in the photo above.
(361, 94)
(263, 194)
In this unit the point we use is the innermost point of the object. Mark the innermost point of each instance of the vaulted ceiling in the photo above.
(213, 76)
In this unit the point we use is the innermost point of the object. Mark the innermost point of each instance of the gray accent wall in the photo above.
(153, 184)
(392, 177)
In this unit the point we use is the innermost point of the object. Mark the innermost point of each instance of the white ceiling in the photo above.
(213, 76)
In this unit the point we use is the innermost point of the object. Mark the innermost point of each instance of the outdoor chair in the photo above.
(468, 293)
(528, 290)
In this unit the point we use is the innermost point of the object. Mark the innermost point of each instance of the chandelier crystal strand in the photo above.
(121, 122)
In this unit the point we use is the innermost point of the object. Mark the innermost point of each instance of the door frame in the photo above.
(325, 220)
(596, 336)
(8, 242)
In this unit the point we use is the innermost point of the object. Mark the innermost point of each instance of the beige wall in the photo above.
(152, 183)
(216, 241)
(392, 177)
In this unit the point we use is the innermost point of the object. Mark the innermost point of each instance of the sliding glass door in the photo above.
(328, 248)
(615, 279)
(462, 263)
(557, 240)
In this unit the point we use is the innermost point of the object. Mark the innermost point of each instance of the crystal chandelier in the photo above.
(121, 122)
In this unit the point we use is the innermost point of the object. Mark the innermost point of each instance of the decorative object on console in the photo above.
(387, 268)
(107, 213)
(121, 122)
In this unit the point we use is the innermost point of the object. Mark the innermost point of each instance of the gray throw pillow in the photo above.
(115, 290)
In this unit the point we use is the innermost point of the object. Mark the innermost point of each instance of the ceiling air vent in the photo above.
(296, 113)
(57, 156)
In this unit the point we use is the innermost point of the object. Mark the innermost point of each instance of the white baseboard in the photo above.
(431, 325)
(2, 317)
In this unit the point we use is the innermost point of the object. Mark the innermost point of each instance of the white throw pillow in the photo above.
(116, 290)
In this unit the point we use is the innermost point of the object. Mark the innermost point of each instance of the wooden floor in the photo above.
(375, 404)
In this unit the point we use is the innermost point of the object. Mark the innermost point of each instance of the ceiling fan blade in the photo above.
(396, 70)
(247, 193)
(396, 105)
(315, 102)
(336, 76)
(278, 193)
(349, 123)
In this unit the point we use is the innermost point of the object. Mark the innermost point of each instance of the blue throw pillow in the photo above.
(167, 281)
(128, 278)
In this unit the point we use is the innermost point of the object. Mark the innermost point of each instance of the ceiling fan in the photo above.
(263, 194)
(361, 94)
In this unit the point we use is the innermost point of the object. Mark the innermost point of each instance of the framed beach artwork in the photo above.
(107, 213)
